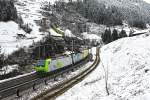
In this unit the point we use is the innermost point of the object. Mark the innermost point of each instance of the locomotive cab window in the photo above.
(41, 63)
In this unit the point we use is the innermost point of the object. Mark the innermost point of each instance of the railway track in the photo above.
(63, 86)
(15, 86)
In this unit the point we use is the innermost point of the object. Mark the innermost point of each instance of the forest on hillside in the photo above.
(7, 10)
(111, 15)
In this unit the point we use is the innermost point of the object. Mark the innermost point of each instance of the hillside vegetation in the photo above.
(7, 10)
(114, 12)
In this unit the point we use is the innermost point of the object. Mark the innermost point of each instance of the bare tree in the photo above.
(2, 58)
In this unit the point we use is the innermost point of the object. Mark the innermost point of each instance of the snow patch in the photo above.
(8, 35)
(69, 33)
(91, 36)
(8, 69)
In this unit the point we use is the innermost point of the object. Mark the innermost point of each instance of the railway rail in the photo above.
(15, 86)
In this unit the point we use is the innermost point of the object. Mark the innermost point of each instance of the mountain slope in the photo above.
(127, 63)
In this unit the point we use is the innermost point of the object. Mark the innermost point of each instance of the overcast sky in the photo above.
(147, 1)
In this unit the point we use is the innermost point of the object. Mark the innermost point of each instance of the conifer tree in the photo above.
(104, 36)
(115, 35)
(1, 58)
(109, 38)
(122, 34)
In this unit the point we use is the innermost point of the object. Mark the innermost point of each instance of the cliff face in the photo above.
(7, 10)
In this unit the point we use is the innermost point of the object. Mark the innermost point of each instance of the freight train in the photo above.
(54, 64)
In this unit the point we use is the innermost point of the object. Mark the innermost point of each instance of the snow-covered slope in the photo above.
(29, 10)
(128, 63)
(8, 33)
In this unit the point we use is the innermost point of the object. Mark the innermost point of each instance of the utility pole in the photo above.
(39, 52)
(72, 51)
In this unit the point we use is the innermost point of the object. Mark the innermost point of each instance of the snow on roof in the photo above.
(69, 33)
(90, 36)
(52, 32)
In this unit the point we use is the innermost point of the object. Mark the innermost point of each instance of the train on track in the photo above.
(54, 64)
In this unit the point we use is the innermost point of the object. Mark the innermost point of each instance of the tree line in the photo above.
(109, 36)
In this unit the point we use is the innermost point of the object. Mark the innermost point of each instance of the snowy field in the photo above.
(127, 64)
